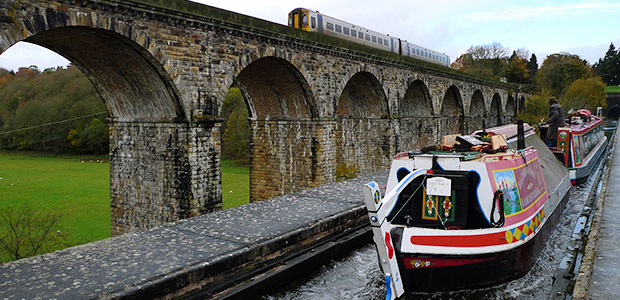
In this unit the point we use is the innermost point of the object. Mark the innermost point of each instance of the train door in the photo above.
(298, 18)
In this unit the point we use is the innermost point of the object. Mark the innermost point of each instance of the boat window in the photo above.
(338, 28)
(313, 21)
(330, 26)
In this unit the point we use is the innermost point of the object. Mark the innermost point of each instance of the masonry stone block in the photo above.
(164, 68)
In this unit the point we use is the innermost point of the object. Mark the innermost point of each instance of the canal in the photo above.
(357, 276)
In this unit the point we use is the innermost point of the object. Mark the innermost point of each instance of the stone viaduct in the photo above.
(316, 104)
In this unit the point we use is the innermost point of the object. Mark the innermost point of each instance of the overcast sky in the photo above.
(585, 28)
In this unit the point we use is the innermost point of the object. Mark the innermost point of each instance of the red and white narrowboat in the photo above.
(581, 144)
(463, 219)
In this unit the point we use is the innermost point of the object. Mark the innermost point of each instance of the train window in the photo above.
(345, 30)
(361, 36)
(313, 21)
(368, 37)
(380, 40)
(374, 39)
(330, 26)
(385, 42)
(338, 28)
(353, 32)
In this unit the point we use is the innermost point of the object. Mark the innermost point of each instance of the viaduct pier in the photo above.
(316, 103)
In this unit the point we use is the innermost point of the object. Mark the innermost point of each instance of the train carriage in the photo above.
(313, 21)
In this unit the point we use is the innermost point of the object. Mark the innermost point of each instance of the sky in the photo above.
(542, 27)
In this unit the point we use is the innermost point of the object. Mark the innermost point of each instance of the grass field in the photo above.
(79, 189)
(235, 184)
(612, 89)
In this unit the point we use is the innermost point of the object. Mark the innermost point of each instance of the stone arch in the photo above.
(510, 110)
(477, 112)
(452, 115)
(133, 84)
(613, 112)
(362, 97)
(275, 89)
(521, 104)
(416, 117)
(495, 113)
(281, 108)
(149, 166)
(363, 134)
(282, 58)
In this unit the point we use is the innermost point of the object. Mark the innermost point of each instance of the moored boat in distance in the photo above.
(581, 143)
(459, 218)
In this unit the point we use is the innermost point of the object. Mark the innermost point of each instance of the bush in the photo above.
(25, 232)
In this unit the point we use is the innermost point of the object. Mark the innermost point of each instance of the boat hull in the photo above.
(476, 271)
(580, 174)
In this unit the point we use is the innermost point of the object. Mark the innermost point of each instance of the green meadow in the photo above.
(612, 89)
(78, 187)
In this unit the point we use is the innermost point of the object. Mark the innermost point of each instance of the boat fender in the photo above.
(388, 283)
(498, 197)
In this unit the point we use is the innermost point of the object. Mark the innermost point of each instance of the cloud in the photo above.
(541, 12)
(25, 54)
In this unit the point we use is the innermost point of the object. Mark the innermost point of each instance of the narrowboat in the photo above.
(581, 144)
(476, 213)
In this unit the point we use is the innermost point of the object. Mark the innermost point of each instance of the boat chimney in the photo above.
(520, 135)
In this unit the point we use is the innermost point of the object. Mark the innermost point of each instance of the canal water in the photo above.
(357, 276)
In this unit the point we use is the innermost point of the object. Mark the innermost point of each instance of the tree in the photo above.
(532, 65)
(586, 93)
(609, 66)
(516, 71)
(33, 99)
(559, 71)
(25, 232)
(92, 139)
(536, 109)
(236, 137)
(461, 62)
(491, 61)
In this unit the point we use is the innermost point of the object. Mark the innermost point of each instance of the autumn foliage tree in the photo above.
(491, 61)
(559, 71)
(517, 70)
(586, 93)
(536, 109)
(31, 100)
(487, 61)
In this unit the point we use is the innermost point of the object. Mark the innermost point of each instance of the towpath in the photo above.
(599, 273)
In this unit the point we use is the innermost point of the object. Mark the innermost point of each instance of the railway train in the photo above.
(313, 21)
